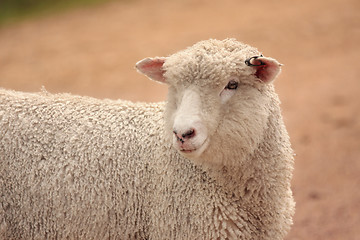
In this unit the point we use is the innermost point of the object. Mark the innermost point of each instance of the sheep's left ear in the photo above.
(152, 68)
(266, 68)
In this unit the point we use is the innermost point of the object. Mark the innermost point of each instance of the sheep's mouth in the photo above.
(188, 150)
(195, 151)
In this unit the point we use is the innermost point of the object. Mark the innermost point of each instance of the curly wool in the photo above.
(76, 167)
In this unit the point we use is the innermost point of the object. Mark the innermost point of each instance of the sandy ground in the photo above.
(93, 51)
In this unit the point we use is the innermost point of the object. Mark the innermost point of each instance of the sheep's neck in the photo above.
(245, 178)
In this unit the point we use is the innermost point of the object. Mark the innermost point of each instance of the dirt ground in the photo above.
(92, 51)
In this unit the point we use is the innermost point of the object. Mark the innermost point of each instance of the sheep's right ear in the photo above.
(152, 68)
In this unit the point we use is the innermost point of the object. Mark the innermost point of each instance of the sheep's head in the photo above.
(219, 97)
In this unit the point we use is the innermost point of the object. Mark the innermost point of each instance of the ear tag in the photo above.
(248, 61)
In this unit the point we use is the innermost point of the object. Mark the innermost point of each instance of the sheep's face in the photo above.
(218, 97)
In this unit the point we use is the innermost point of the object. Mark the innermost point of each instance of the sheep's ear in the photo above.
(266, 68)
(152, 68)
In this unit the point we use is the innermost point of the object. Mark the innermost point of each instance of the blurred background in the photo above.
(90, 47)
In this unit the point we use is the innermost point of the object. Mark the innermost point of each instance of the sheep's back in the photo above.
(75, 166)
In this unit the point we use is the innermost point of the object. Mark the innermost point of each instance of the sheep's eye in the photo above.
(232, 85)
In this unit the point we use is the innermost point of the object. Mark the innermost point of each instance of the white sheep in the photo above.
(214, 162)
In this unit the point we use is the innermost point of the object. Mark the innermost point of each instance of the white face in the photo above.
(190, 129)
(190, 133)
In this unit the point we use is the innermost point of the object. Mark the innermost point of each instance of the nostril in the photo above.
(189, 134)
(177, 137)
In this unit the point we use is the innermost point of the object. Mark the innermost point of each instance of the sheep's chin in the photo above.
(196, 152)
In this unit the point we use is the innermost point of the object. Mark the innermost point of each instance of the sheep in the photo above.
(213, 162)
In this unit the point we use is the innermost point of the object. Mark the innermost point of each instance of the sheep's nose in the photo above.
(182, 137)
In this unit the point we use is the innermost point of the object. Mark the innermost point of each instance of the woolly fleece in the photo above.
(81, 168)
